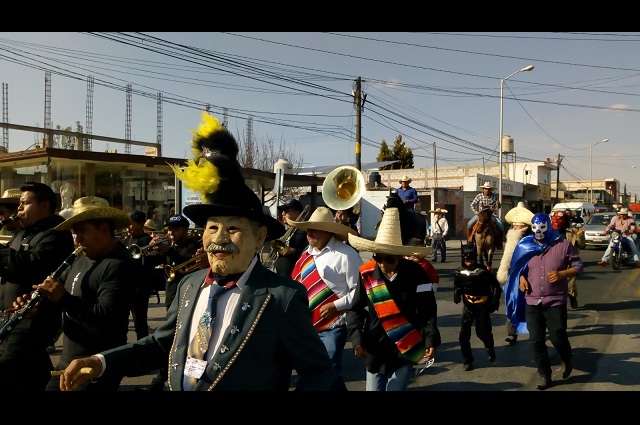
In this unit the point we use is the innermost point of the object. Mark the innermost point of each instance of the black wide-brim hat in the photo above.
(234, 200)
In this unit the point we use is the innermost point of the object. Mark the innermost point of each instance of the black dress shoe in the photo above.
(544, 382)
(492, 354)
(468, 366)
(511, 339)
(568, 367)
(573, 301)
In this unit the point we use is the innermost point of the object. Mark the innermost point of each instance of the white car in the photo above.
(594, 227)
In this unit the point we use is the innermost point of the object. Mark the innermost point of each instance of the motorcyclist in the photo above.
(627, 226)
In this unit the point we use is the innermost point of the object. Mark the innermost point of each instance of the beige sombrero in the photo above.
(439, 211)
(93, 207)
(11, 197)
(405, 178)
(322, 219)
(519, 214)
(388, 239)
(150, 224)
(623, 211)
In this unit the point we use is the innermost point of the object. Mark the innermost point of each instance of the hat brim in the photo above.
(366, 245)
(200, 213)
(339, 230)
(119, 217)
(438, 211)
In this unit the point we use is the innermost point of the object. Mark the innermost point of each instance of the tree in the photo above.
(262, 155)
(399, 152)
(385, 155)
(66, 142)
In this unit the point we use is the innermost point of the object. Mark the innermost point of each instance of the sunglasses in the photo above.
(389, 259)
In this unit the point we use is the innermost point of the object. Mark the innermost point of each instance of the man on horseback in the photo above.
(486, 199)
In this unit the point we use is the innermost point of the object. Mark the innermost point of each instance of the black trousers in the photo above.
(539, 319)
(481, 315)
(140, 311)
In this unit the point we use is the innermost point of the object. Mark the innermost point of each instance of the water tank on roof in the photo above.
(507, 144)
(284, 165)
(375, 180)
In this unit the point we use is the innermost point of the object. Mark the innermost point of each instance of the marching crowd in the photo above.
(234, 324)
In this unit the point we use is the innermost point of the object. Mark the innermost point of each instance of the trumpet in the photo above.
(277, 245)
(184, 268)
(139, 251)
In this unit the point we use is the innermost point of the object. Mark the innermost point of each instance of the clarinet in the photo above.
(36, 297)
(14, 217)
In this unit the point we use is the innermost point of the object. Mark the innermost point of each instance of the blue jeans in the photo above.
(438, 243)
(397, 381)
(497, 222)
(334, 341)
(628, 243)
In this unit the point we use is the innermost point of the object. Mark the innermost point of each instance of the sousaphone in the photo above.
(343, 188)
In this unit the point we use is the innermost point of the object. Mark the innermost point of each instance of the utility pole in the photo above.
(435, 176)
(358, 96)
(559, 161)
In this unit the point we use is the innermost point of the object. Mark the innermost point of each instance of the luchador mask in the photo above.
(541, 227)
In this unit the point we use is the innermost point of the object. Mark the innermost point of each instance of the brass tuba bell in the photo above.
(343, 188)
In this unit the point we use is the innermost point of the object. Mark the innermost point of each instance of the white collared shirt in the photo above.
(225, 307)
(339, 266)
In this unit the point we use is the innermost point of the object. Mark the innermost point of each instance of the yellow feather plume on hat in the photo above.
(200, 175)
(207, 127)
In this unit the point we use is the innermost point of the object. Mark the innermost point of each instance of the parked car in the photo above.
(594, 227)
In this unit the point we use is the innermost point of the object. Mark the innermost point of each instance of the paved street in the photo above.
(604, 332)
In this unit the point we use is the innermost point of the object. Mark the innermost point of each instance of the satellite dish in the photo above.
(549, 160)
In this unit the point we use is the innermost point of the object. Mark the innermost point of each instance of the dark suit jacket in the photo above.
(269, 336)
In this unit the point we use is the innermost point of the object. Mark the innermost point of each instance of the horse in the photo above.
(485, 237)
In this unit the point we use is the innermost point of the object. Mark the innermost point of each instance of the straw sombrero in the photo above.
(519, 214)
(388, 239)
(405, 178)
(439, 211)
(150, 224)
(11, 197)
(93, 207)
(322, 219)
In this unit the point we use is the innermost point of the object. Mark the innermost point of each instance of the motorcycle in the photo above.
(621, 253)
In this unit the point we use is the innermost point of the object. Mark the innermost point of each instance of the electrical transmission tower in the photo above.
(48, 125)
(159, 126)
(127, 123)
(249, 145)
(89, 120)
(5, 115)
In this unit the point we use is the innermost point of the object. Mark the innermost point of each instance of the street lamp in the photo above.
(591, 167)
(526, 68)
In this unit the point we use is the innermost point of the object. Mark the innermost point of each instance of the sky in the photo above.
(440, 91)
